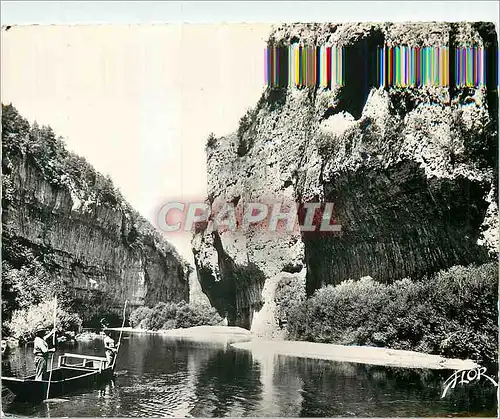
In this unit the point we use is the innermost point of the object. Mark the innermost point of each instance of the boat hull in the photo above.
(64, 381)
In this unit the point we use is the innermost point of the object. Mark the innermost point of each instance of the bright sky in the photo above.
(138, 102)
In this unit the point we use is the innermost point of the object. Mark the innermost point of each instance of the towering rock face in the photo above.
(59, 211)
(412, 173)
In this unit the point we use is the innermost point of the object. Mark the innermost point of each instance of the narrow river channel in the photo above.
(165, 376)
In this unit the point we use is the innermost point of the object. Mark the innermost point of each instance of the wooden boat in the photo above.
(69, 376)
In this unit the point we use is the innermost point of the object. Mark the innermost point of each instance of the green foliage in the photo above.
(189, 315)
(246, 132)
(276, 97)
(27, 278)
(454, 313)
(25, 322)
(138, 315)
(403, 100)
(59, 166)
(30, 284)
(480, 145)
(15, 129)
(245, 122)
(174, 315)
(290, 292)
(169, 324)
(161, 313)
(211, 141)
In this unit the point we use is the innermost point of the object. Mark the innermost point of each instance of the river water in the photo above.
(173, 377)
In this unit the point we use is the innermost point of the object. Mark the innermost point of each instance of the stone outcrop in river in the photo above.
(59, 211)
(412, 173)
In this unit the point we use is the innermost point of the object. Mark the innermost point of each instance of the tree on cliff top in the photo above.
(64, 169)
(13, 124)
(58, 165)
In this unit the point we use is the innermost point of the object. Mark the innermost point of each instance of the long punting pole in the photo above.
(121, 333)
(54, 343)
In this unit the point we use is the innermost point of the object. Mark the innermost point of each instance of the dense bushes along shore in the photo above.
(26, 321)
(453, 313)
(174, 316)
(162, 316)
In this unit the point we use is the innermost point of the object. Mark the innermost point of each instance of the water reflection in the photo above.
(231, 381)
(161, 376)
(348, 389)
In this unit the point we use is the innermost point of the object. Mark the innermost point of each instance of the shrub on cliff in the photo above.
(246, 126)
(25, 322)
(173, 316)
(454, 313)
(211, 141)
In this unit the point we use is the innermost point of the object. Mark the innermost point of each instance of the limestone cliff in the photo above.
(59, 211)
(412, 173)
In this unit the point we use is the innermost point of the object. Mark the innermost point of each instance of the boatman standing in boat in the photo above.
(42, 351)
(109, 346)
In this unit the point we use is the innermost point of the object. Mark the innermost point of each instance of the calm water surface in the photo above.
(163, 376)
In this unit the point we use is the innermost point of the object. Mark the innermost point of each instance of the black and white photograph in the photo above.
(282, 215)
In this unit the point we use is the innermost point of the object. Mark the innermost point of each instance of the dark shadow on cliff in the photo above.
(238, 293)
(490, 39)
(396, 223)
(360, 74)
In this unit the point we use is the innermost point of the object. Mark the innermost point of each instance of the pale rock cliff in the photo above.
(412, 173)
(80, 228)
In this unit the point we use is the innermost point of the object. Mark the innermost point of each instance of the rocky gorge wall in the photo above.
(412, 172)
(78, 226)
